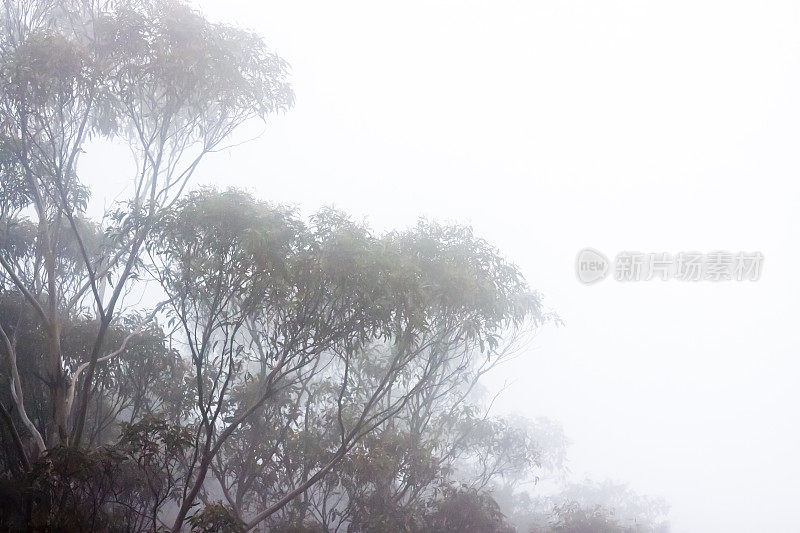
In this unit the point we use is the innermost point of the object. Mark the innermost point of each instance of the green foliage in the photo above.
(110, 488)
(572, 518)
(588, 507)
(216, 518)
(340, 329)
(466, 511)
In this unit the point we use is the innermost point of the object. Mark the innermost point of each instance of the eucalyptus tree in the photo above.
(163, 80)
(282, 319)
(286, 354)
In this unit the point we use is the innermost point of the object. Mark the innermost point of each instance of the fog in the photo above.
(551, 127)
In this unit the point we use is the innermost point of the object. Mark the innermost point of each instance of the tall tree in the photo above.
(159, 76)
(330, 317)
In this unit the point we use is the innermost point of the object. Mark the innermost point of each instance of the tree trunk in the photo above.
(57, 383)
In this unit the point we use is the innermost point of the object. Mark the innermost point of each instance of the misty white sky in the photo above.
(552, 126)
